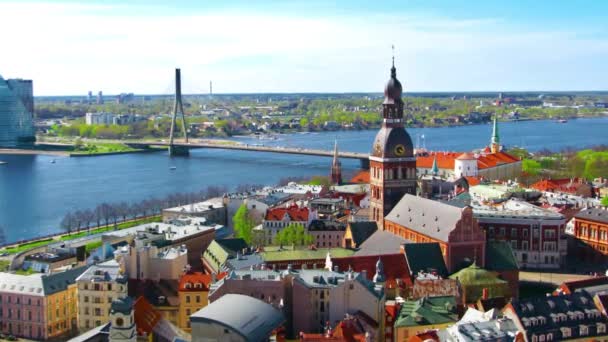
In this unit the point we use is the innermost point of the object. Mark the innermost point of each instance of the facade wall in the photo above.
(328, 238)
(389, 181)
(196, 246)
(23, 315)
(95, 300)
(536, 243)
(189, 303)
(308, 317)
(594, 234)
(62, 312)
(209, 331)
(351, 297)
(272, 228)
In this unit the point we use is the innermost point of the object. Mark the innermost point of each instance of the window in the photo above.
(502, 231)
(583, 330)
(514, 244)
(525, 233)
(119, 321)
(524, 245)
(513, 232)
(187, 299)
(198, 299)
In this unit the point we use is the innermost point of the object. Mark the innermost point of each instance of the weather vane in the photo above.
(393, 48)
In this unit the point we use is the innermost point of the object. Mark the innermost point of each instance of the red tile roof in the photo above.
(446, 160)
(562, 185)
(395, 267)
(194, 278)
(473, 180)
(429, 335)
(146, 317)
(571, 286)
(361, 177)
(295, 213)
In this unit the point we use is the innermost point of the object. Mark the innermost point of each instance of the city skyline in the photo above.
(276, 47)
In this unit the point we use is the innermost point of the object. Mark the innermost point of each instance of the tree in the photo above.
(605, 201)
(67, 223)
(2, 236)
(295, 235)
(243, 224)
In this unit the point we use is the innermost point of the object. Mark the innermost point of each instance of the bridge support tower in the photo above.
(178, 106)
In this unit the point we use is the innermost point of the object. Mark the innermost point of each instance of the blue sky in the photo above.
(70, 47)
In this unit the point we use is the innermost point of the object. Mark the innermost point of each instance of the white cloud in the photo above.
(73, 48)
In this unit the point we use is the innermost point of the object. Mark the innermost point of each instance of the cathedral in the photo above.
(392, 161)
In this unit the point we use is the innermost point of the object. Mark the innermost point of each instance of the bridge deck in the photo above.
(256, 148)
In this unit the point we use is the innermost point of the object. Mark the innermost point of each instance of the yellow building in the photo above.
(424, 314)
(62, 302)
(193, 295)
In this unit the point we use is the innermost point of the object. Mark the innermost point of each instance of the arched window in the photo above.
(188, 285)
(119, 322)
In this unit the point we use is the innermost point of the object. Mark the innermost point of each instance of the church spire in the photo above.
(336, 167)
(393, 69)
(435, 169)
(495, 141)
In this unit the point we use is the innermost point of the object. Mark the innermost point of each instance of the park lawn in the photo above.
(110, 227)
(101, 148)
(4, 264)
(91, 246)
(29, 245)
(26, 246)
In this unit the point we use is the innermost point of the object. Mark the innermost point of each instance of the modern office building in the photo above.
(16, 112)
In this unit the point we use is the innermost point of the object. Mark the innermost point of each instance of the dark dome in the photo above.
(393, 143)
(393, 88)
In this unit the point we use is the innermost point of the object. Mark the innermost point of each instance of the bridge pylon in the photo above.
(178, 106)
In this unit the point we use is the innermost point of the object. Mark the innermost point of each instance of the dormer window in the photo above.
(188, 285)
(198, 286)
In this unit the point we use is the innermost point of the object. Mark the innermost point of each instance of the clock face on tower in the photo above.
(399, 150)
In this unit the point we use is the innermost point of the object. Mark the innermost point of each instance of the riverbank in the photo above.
(18, 151)
(24, 245)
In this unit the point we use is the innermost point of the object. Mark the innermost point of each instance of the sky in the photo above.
(71, 47)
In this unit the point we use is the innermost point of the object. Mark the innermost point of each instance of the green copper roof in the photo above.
(475, 279)
(435, 169)
(495, 137)
(427, 311)
(287, 253)
(500, 257)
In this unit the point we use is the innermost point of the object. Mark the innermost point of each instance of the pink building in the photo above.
(23, 306)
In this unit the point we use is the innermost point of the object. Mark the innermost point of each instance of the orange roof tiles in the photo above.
(294, 212)
(361, 177)
(473, 180)
(446, 160)
(194, 278)
(146, 317)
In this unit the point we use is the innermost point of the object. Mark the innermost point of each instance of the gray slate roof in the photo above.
(428, 217)
(106, 272)
(595, 214)
(254, 319)
(362, 230)
(380, 243)
(58, 282)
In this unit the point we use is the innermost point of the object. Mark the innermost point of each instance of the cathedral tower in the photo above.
(392, 161)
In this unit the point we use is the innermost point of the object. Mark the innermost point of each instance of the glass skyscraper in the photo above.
(16, 112)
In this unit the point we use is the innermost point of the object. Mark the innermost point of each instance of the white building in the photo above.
(97, 288)
(149, 262)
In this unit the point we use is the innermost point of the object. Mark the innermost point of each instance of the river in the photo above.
(36, 193)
